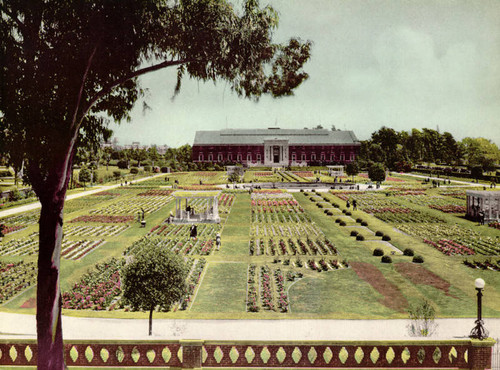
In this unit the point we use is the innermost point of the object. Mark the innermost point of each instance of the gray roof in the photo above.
(257, 136)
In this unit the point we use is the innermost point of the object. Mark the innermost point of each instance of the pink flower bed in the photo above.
(495, 225)
(106, 219)
(450, 247)
(107, 193)
(155, 193)
(450, 208)
(303, 173)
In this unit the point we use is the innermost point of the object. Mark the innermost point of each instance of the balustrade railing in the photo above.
(462, 354)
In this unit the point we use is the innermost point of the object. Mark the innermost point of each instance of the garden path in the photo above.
(35, 205)
(23, 326)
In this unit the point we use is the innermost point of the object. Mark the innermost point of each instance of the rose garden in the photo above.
(284, 254)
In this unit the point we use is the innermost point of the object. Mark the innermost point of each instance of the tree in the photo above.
(84, 175)
(376, 172)
(67, 67)
(352, 169)
(155, 277)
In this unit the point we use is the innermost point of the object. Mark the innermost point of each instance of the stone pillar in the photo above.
(191, 354)
(480, 353)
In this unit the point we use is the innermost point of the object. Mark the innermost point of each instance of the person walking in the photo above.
(217, 241)
(354, 204)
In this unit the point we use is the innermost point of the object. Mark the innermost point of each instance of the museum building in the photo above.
(276, 147)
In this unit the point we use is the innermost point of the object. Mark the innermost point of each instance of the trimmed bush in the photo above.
(386, 238)
(378, 252)
(359, 220)
(319, 205)
(134, 170)
(338, 220)
(408, 252)
(344, 211)
(313, 190)
(354, 233)
(386, 259)
(301, 190)
(418, 259)
(342, 223)
(312, 199)
(148, 168)
(164, 169)
(329, 213)
(348, 213)
(117, 174)
(364, 223)
(360, 237)
(379, 233)
(335, 205)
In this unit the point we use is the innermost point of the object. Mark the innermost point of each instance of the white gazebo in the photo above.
(196, 207)
(335, 171)
(486, 201)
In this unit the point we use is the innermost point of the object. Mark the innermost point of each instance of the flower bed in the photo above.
(449, 247)
(100, 230)
(106, 194)
(132, 206)
(16, 277)
(450, 208)
(77, 249)
(97, 289)
(155, 193)
(483, 265)
(103, 219)
(18, 222)
(20, 247)
(495, 225)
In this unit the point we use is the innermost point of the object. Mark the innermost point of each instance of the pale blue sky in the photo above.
(401, 64)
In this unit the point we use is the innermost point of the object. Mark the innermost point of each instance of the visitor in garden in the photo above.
(217, 241)
(348, 204)
(194, 231)
(354, 204)
(481, 217)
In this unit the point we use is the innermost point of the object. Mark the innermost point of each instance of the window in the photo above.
(258, 157)
(249, 157)
(352, 157)
(332, 157)
(238, 158)
(303, 157)
(219, 157)
(313, 157)
(293, 157)
(342, 157)
(323, 157)
(210, 157)
(200, 157)
(229, 157)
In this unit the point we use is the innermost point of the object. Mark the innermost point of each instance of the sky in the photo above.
(394, 63)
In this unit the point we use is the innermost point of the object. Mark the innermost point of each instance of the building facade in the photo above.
(276, 147)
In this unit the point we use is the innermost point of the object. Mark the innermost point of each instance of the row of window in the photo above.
(303, 157)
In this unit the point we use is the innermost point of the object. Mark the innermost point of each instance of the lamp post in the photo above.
(479, 332)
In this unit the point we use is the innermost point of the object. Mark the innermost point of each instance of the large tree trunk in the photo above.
(51, 191)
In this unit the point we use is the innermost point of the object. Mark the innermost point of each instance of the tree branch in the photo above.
(106, 90)
(12, 16)
(82, 85)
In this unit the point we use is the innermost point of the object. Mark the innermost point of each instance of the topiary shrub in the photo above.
(360, 237)
(312, 199)
(386, 259)
(418, 259)
(134, 170)
(408, 252)
(354, 233)
(342, 223)
(313, 190)
(338, 220)
(329, 213)
(359, 220)
(364, 223)
(319, 205)
(344, 211)
(378, 252)
(164, 169)
(386, 238)
(379, 233)
(348, 213)
(335, 205)
(301, 190)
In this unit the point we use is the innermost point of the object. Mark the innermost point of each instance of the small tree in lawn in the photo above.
(422, 319)
(376, 172)
(155, 277)
(352, 169)
(84, 176)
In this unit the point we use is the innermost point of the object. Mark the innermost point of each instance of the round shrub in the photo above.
(335, 205)
(386, 259)
(338, 220)
(386, 238)
(359, 220)
(378, 252)
(319, 205)
(408, 252)
(418, 259)
(342, 223)
(379, 233)
(329, 213)
(312, 199)
(301, 190)
(364, 223)
(348, 213)
(344, 211)
(325, 211)
(164, 169)
(148, 168)
(134, 170)
(354, 233)
(360, 237)
(313, 190)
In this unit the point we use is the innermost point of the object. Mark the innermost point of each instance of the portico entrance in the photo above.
(275, 152)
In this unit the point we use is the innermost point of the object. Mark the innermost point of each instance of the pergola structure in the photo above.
(486, 201)
(196, 207)
(335, 171)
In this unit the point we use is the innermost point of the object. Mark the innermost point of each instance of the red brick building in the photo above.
(276, 147)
